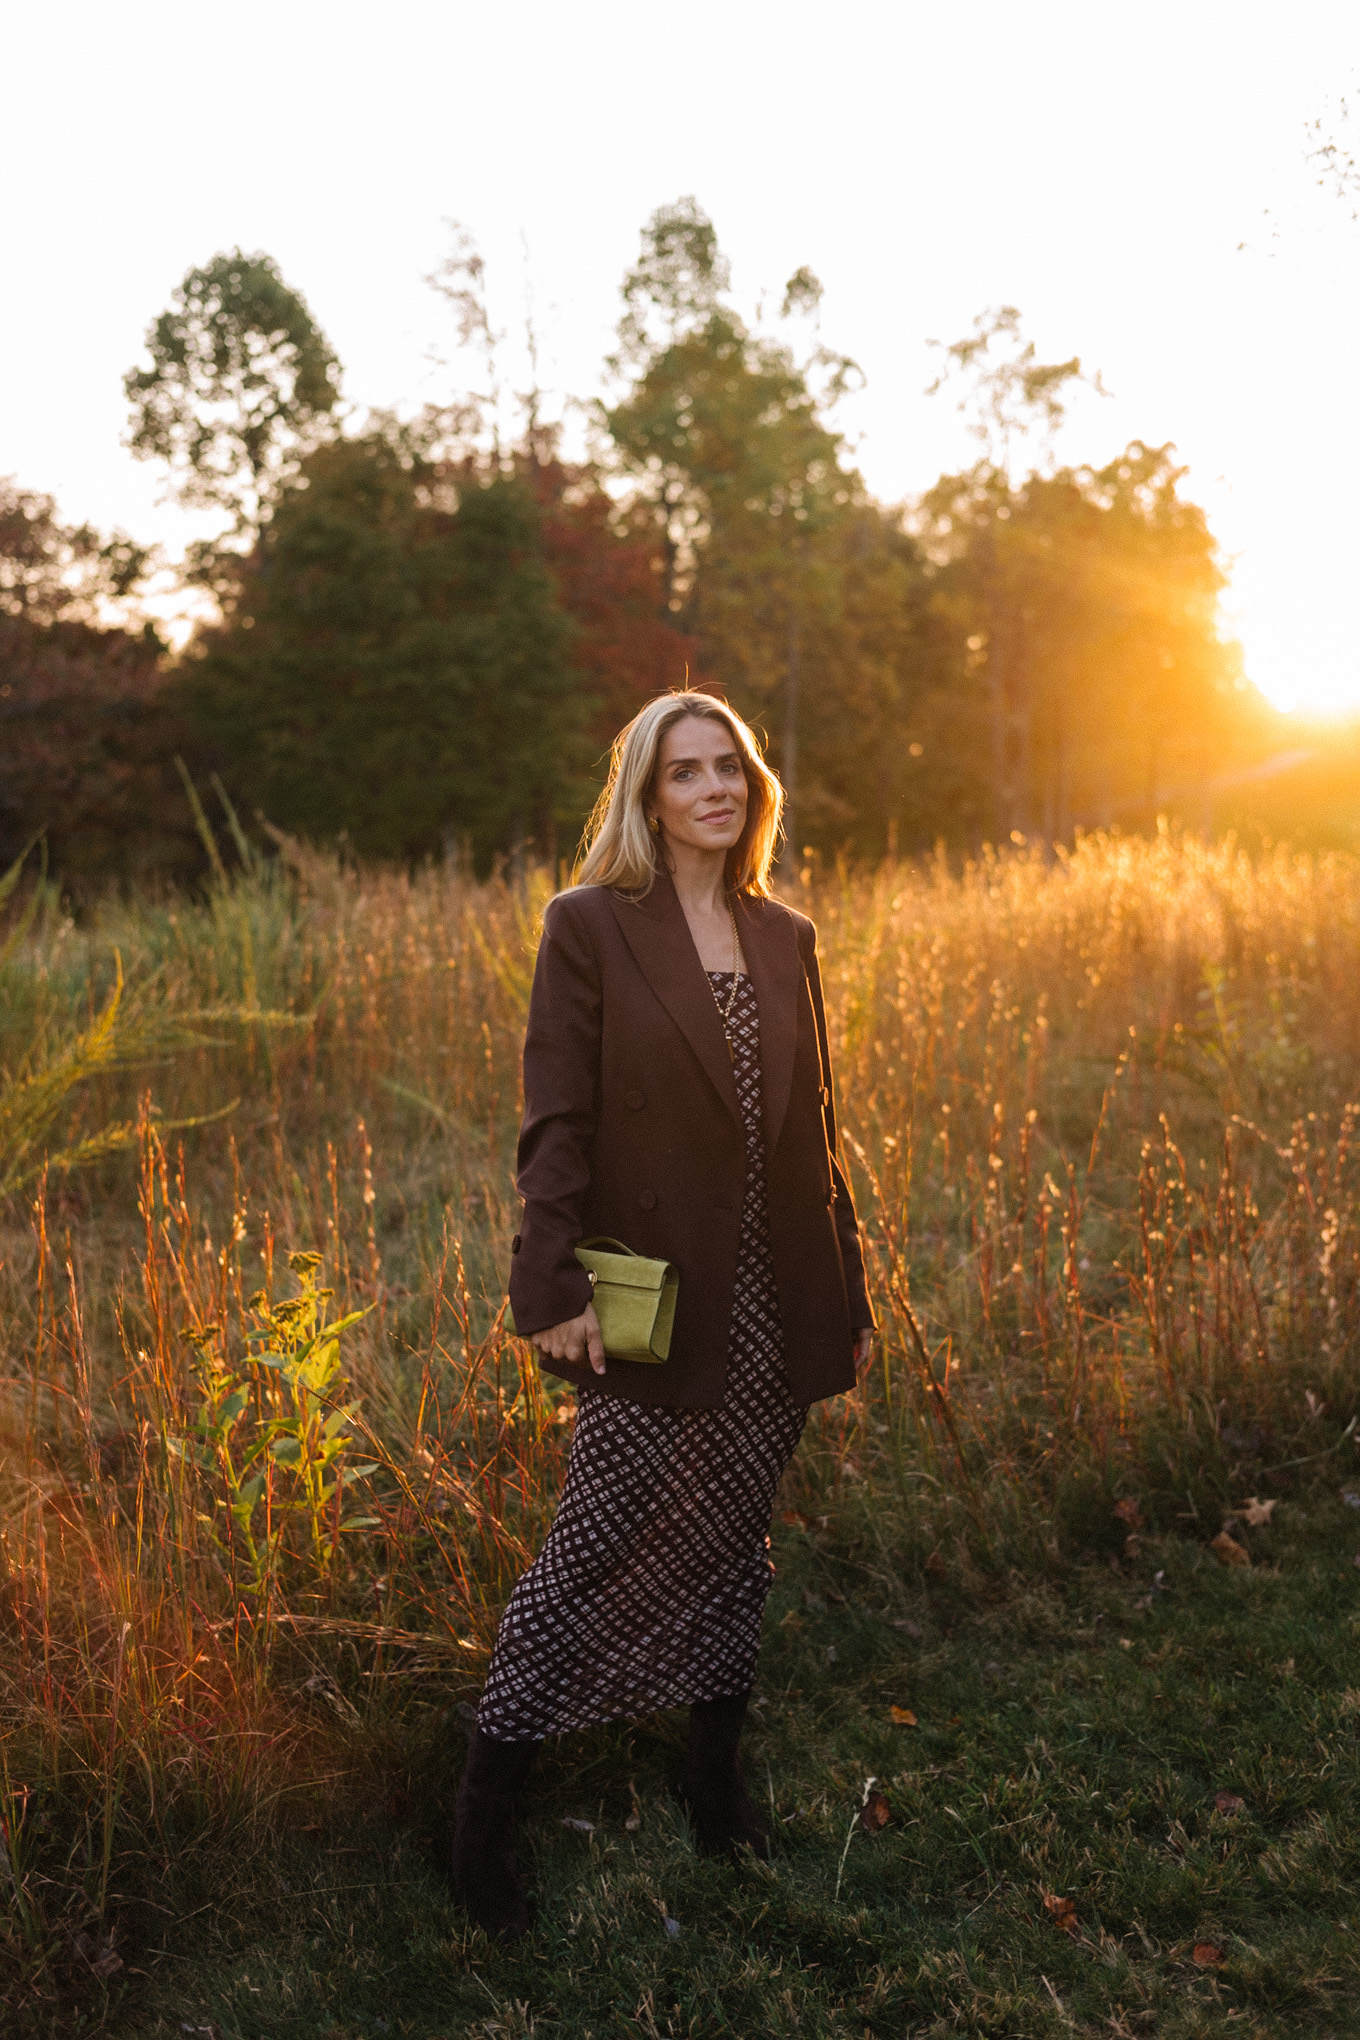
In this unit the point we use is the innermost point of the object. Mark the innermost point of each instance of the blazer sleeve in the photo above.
(843, 1204)
(561, 1107)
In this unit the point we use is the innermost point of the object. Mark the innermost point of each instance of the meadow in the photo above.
(1056, 1716)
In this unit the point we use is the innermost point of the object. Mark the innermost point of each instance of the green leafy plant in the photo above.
(274, 1433)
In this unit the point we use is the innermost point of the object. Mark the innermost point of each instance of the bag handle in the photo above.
(603, 1240)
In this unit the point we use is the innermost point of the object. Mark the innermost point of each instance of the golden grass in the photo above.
(1099, 1112)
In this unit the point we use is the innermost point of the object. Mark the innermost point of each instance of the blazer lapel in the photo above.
(657, 933)
(770, 942)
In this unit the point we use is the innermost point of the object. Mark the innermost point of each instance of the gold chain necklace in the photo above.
(726, 1010)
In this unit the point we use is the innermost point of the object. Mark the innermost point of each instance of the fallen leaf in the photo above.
(937, 1568)
(1129, 1512)
(633, 1823)
(1062, 1912)
(793, 1620)
(1126, 1643)
(1206, 1955)
(1227, 1550)
(1351, 1497)
(1356, 1561)
(1228, 1802)
(908, 1627)
(1258, 1513)
(795, 1519)
(106, 1965)
(875, 1813)
(903, 1716)
(672, 1926)
(580, 1827)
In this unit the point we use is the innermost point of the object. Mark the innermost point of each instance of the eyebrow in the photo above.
(721, 759)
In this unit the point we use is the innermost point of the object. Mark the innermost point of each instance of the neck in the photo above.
(699, 878)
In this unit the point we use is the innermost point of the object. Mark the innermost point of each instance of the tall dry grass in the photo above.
(268, 1464)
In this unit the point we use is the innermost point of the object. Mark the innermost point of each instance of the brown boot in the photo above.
(481, 1850)
(713, 1789)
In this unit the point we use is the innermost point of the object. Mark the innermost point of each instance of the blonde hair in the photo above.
(619, 850)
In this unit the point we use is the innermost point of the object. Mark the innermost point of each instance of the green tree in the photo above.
(242, 383)
(1086, 602)
(49, 569)
(397, 665)
(1007, 395)
(794, 585)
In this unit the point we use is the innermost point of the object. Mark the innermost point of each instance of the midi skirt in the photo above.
(650, 1588)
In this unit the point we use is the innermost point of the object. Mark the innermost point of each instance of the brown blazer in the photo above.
(632, 1129)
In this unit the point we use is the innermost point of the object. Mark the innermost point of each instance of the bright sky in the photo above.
(1096, 165)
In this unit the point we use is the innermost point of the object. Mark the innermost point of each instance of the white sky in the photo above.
(1095, 164)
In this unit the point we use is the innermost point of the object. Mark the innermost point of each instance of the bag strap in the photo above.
(604, 1241)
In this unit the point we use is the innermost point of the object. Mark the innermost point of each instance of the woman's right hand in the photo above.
(575, 1339)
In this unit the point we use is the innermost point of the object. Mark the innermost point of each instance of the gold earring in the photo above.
(654, 824)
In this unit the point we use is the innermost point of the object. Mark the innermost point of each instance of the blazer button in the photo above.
(635, 1100)
(648, 1200)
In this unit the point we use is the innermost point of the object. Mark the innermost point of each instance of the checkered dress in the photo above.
(650, 1587)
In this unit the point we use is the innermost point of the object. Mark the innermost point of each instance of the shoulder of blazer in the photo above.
(804, 929)
(583, 907)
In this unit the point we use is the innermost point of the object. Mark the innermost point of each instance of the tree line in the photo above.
(425, 630)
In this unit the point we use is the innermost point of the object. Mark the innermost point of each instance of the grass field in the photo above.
(268, 1467)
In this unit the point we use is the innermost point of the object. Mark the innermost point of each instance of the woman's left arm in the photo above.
(847, 1225)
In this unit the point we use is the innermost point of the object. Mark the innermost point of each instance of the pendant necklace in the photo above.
(726, 1011)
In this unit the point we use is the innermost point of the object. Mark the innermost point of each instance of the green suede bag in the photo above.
(634, 1300)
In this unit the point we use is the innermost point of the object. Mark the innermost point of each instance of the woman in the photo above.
(677, 1098)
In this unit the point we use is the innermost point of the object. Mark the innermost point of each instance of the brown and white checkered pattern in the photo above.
(650, 1587)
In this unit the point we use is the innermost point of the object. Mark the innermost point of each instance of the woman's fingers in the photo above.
(574, 1340)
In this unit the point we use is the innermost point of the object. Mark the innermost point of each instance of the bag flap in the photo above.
(626, 1271)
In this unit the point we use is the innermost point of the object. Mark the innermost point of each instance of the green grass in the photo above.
(1071, 1740)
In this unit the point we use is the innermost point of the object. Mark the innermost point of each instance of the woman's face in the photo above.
(699, 792)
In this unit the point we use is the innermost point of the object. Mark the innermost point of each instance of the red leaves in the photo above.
(1205, 1955)
(1228, 1802)
(1129, 1513)
(1062, 1912)
(902, 1716)
(875, 1813)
